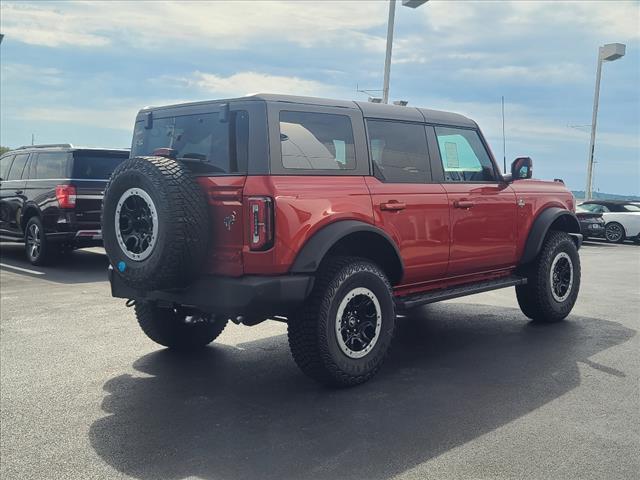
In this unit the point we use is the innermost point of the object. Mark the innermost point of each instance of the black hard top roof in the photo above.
(369, 109)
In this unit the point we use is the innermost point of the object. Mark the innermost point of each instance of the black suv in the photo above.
(51, 197)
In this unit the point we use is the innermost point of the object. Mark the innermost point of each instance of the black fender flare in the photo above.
(27, 208)
(310, 256)
(541, 226)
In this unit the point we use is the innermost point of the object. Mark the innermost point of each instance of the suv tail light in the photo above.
(66, 195)
(260, 223)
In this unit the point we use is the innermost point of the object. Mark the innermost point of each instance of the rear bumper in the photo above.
(247, 295)
(79, 238)
(592, 229)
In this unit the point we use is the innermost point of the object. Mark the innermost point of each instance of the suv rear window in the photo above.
(316, 141)
(209, 145)
(95, 165)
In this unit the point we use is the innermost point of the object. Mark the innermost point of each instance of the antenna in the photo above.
(504, 142)
(32, 138)
(367, 91)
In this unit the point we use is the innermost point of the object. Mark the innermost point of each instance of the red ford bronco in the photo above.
(331, 215)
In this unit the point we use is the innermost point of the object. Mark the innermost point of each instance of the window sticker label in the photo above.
(451, 153)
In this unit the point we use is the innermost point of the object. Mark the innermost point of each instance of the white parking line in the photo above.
(20, 269)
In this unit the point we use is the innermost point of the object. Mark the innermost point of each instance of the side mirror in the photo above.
(521, 168)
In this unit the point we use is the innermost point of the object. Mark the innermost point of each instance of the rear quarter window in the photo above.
(50, 165)
(316, 141)
(95, 165)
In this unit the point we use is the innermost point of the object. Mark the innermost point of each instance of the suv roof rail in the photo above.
(46, 145)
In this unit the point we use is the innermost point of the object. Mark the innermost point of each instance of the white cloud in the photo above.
(244, 83)
(217, 25)
(47, 26)
(467, 22)
(538, 74)
(21, 72)
(618, 19)
(112, 117)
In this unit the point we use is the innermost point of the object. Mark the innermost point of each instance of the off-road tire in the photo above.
(312, 332)
(619, 229)
(183, 223)
(167, 327)
(43, 253)
(535, 298)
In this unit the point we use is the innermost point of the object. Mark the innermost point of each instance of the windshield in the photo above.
(594, 207)
(210, 145)
(95, 165)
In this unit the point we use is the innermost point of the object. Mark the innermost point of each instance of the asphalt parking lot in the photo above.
(471, 390)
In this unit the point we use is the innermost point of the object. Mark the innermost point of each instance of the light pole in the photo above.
(606, 53)
(387, 58)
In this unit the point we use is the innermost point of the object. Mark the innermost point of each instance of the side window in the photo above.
(5, 163)
(15, 173)
(464, 158)
(399, 151)
(316, 141)
(50, 165)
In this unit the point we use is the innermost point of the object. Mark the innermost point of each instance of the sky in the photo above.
(79, 71)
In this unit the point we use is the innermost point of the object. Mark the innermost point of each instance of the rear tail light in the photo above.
(260, 223)
(66, 195)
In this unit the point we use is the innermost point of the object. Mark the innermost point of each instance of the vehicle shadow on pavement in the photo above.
(456, 373)
(80, 266)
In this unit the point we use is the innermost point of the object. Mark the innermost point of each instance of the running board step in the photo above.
(418, 299)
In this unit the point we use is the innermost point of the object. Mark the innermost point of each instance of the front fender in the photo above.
(563, 219)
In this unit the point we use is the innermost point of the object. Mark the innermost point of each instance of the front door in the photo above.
(411, 209)
(482, 206)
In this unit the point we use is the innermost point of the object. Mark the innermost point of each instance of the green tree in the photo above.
(3, 150)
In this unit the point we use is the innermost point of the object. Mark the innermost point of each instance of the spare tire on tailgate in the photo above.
(155, 223)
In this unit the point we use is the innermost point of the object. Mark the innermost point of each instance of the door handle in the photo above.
(393, 206)
(463, 204)
(19, 192)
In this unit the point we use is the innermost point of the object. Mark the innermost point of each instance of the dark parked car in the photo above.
(591, 224)
(51, 197)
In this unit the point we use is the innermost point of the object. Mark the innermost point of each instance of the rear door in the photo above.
(46, 171)
(482, 206)
(406, 203)
(13, 196)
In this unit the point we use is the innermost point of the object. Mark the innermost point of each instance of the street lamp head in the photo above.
(612, 51)
(413, 3)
